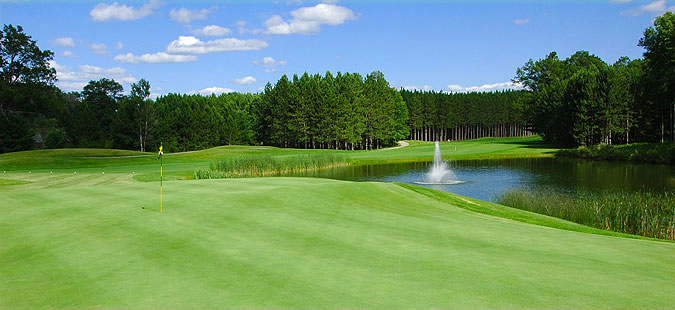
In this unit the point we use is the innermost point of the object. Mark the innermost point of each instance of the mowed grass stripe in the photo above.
(60, 180)
(309, 243)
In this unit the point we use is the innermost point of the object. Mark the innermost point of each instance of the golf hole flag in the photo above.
(160, 156)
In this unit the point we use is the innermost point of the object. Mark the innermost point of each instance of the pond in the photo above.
(485, 179)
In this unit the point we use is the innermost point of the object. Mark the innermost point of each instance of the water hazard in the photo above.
(484, 179)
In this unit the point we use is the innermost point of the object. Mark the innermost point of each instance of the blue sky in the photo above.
(204, 47)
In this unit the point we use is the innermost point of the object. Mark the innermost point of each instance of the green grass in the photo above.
(113, 161)
(642, 213)
(10, 182)
(95, 239)
(307, 243)
(653, 153)
(251, 166)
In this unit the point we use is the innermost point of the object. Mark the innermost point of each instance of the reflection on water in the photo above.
(486, 178)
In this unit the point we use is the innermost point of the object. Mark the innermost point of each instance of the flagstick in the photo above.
(161, 177)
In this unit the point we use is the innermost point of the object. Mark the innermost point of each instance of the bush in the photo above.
(55, 139)
(653, 153)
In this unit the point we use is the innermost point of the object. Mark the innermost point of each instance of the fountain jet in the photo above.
(439, 173)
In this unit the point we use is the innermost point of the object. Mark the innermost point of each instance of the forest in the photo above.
(577, 101)
(440, 116)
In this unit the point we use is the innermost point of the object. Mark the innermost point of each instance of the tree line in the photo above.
(444, 116)
(582, 100)
(345, 111)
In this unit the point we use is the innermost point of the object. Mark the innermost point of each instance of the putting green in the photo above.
(304, 243)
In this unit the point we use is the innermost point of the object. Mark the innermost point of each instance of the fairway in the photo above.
(305, 243)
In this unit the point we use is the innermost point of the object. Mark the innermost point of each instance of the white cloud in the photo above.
(653, 8)
(74, 81)
(413, 87)
(269, 61)
(119, 45)
(248, 80)
(270, 70)
(211, 90)
(242, 29)
(105, 12)
(100, 49)
(521, 21)
(70, 54)
(307, 20)
(212, 31)
(454, 88)
(620, 1)
(156, 58)
(192, 45)
(185, 16)
(65, 42)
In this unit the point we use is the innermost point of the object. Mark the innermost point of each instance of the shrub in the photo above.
(55, 139)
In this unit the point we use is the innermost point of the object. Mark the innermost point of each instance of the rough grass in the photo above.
(258, 166)
(306, 243)
(119, 161)
(652, 153)
(642, 213)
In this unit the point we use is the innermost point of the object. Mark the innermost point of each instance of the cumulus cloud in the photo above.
(211, 90)
(454, 88)
(65, 42)
(119, 45)
(269, 62)
(185, 16)
(104, 12)
(212, 31)
(69, 54)
(241, 25)
(156, 58)
(192, 45)
(620, 1)
(653, 8)
(248, 80)
(100, 49)
(69, 80)
(307, 20)
(521, 21)
(270, 70)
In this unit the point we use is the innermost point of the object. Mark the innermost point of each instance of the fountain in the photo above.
(439, 174)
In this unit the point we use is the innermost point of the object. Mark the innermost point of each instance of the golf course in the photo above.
(81, 229)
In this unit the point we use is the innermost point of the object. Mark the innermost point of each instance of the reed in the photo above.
(645, 213)
(651, 153)
(259, 166)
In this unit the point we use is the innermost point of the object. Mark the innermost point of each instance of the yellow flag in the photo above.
(160, 153)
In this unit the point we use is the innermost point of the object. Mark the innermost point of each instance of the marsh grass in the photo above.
(258, 166)
(644, 213)
(651, 153)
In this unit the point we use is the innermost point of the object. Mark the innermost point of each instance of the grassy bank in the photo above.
(651, 153)
(118, 161)
(259, 166)
(306, 243)
(640, 213)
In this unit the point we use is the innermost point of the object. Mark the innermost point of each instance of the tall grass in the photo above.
(257, 166)
(645, 213)
(651, 153)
